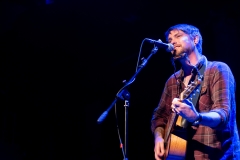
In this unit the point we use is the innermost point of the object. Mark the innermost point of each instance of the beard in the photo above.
(177, 54)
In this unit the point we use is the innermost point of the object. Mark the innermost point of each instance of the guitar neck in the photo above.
(175, 144)
(170, 126)
(171, 123)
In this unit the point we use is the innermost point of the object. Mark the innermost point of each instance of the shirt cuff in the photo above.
(223, 117)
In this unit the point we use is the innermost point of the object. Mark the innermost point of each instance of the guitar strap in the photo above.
(184, 122)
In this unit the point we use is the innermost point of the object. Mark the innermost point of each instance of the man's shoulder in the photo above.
(218, 68)
(217, 65)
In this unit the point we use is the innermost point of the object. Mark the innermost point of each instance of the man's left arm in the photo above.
(222, 85)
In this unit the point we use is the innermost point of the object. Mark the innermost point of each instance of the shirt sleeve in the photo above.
(223, 86)
(162, 112)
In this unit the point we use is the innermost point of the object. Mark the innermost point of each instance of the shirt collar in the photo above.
(199, 65)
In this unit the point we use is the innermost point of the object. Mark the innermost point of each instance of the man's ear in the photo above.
(196, 40)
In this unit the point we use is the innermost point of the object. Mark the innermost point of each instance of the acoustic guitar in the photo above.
(176, 144)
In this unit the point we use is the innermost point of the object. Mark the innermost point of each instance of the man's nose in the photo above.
(173, 42)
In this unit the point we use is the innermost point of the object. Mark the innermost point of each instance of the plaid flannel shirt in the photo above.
(217, 95)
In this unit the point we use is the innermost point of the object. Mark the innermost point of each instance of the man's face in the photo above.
(181, 41)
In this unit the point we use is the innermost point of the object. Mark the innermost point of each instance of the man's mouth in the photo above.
(176, 46)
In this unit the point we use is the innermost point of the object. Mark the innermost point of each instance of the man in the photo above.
(211, 129)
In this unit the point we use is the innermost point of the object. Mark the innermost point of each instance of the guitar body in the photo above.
(176, 145)
(176, 148)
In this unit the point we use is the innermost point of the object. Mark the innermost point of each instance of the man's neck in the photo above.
(189, 61)
(194, 58)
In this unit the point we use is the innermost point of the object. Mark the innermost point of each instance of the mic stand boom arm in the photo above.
(120, 94)
(123, 94)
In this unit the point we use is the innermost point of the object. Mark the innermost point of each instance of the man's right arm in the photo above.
(159, 143)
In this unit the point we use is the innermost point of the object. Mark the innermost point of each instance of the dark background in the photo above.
(62, 63)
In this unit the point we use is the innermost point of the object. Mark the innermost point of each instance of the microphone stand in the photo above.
(123, 94)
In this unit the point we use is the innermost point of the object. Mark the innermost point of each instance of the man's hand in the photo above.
(159, 148)
(185, 109)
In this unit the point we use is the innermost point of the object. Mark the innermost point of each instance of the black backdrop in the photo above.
(63, 63)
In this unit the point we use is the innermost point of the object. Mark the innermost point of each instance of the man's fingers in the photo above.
(175, 100)
(159, 151)
(175, 109)
(176, 103)
(158, 156)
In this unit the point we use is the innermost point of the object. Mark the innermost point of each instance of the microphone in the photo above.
(167, 46)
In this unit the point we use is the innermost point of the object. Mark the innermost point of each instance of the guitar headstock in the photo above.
(190, 90)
